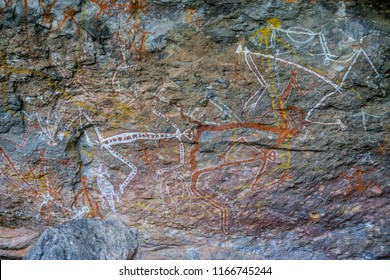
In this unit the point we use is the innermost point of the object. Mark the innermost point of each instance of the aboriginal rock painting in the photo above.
(216, 160)
(277, 110)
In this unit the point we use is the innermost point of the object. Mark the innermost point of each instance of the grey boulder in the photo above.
(86, 239)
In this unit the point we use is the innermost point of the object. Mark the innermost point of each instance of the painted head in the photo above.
(273, 23)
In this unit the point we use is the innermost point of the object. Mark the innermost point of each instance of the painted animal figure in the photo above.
(263, 156)
(264, 86)
(108, 143)
(299, 36)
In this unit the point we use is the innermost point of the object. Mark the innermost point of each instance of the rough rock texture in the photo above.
(219, 129)
(15, 243)
(86, 239)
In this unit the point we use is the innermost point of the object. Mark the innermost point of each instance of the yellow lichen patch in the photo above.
(314, 216)
(352, 210)
(189, 15)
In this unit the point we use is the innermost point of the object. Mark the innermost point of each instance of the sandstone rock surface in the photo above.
(15, 243)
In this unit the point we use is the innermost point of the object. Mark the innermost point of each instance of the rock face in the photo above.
(86, 239)
(219, 129)
(15, 243)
